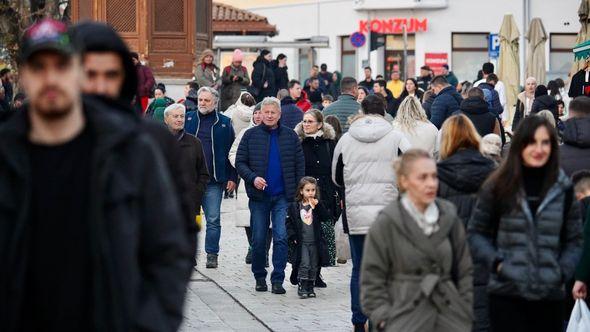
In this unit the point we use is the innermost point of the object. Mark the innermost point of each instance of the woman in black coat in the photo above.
(461, 172)
(527, 232)
(279, 67)
(263, 77)
(317, 141)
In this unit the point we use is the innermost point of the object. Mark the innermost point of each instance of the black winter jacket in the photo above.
(575, 151)
(444, 105)
(291, 115)
(294, 230)
(318, 152)
(476, 109)
(193, 161)
(545, 102)
(539, 250)
(140, 264)
(281, 75)
(262, 73)
(460, 177)
(252, 159)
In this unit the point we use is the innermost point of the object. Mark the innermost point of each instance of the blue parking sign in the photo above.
(494, 45)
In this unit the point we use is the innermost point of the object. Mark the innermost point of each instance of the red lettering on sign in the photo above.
(363, 26)
(393, 25)
(420, 25)
(388, 26)
(376, 25)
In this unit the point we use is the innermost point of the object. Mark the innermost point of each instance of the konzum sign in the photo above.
(394, 25)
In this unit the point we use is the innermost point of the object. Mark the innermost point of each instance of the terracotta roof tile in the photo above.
(223, 12)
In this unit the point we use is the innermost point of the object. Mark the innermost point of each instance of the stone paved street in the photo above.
(224, 299)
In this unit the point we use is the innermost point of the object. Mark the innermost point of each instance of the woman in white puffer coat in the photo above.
(241, 111)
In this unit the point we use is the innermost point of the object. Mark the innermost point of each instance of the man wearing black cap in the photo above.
(84, 195)
(424, 79)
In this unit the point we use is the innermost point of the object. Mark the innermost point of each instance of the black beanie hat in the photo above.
(541, 90)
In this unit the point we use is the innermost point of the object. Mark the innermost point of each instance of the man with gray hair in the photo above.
(217, 136)
(271, 162)
(191, 162)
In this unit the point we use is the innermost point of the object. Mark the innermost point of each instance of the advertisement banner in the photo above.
(436, 61)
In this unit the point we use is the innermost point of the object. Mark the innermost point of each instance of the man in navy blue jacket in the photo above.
(271, 162)
(446, 102)
(217, 136)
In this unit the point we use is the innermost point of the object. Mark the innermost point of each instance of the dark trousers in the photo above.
(268, 239)
(356, 251)
(308, 267)
(520, 315)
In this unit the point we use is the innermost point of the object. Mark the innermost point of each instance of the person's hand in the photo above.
(265, 85)
(235, 78)
(313, 202)
(499, 268)
(259, 183)
(231, 186)
(579, 291)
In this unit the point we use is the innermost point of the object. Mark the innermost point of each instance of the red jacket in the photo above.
(303, 103)
(145, 81)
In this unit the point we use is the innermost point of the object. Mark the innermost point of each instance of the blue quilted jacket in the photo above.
(252, 159)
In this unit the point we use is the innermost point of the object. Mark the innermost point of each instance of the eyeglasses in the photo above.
(308, 121)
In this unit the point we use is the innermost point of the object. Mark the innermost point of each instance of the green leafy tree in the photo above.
(17, 15)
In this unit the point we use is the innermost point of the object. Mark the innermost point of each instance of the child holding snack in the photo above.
(304, 231)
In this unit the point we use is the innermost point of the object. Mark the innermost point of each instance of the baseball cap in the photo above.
(45, 35)
(445, 66)
(425, 68)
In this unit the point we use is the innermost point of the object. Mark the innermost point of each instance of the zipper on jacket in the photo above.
(213, 143)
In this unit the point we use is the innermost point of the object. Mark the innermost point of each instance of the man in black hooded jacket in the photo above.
(91, 231)
(111, 74)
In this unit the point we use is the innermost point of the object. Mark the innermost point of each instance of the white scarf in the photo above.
(427, 221)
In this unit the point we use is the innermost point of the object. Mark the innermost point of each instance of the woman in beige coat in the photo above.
(416, 273)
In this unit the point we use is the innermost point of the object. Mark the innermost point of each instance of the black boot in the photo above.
(211, 261)
(261, 285)
(319, 283)
(301, 289)
(310, 292)
(249, 256)
(294, 276)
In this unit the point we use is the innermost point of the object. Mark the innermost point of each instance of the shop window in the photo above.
(347, 57)
(469, 52)
(394, 55)
(560, 53)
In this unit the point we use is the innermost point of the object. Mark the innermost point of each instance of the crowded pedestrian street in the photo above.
(294, 165)
(223, 299)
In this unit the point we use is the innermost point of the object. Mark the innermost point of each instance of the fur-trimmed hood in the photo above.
(329, 132)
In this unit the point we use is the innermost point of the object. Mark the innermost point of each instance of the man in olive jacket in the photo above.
(346, 106)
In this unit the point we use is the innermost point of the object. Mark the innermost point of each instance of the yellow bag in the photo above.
(199, 220)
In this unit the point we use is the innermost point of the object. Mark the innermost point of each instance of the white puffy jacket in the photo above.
(366, 154)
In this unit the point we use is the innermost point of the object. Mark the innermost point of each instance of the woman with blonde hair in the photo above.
(412, 121)
(416, 268)
(207, 73)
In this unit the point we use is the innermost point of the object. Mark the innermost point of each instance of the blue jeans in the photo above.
(356, 251)
(212, 208)
(261, 213)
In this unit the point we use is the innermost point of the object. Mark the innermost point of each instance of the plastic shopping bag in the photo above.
(580, 318)
(342, 244)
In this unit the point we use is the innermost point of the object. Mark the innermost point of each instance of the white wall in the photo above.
(338, 18)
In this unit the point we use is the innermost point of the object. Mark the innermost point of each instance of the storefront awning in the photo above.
(231, 42)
